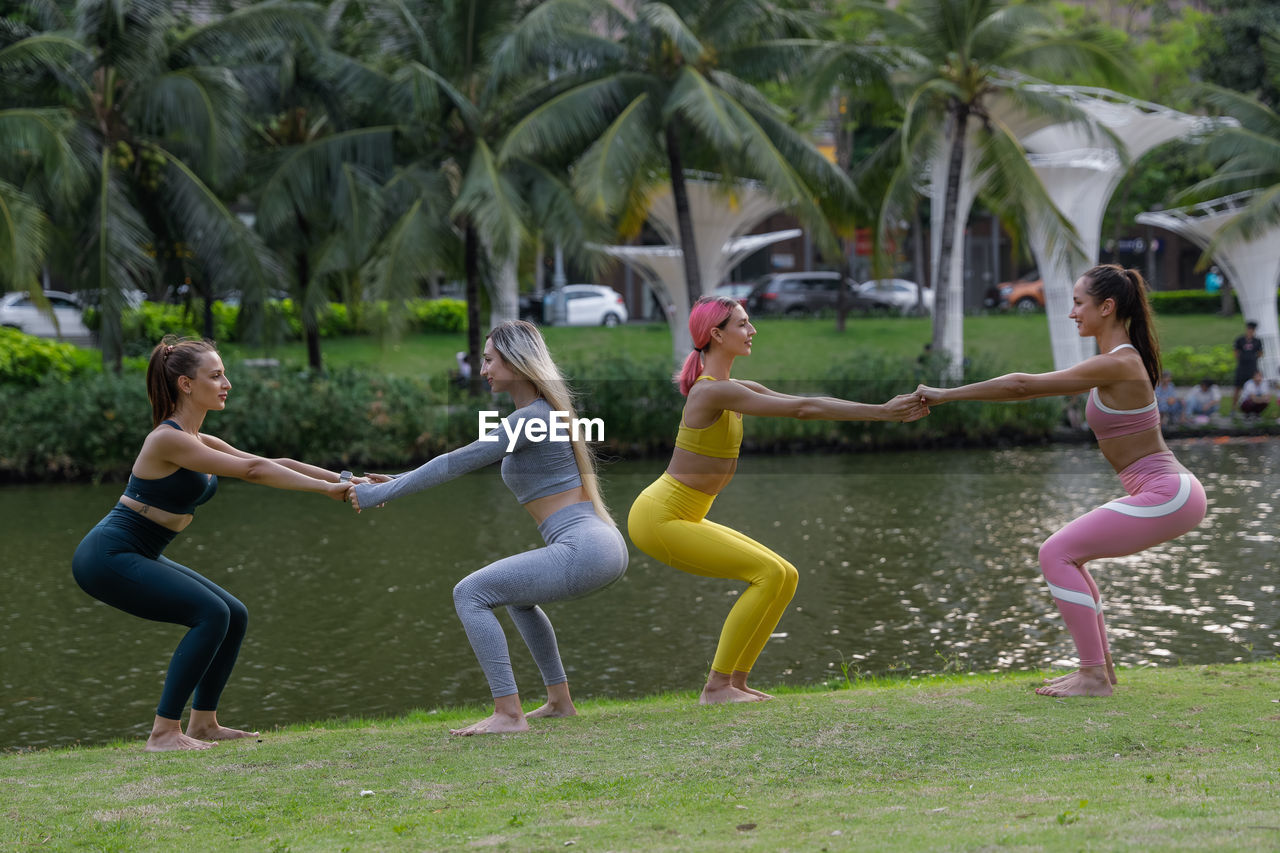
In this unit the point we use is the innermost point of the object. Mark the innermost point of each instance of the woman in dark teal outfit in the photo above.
(121, 563)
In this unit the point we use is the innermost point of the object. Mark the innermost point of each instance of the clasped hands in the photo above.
(348, 495)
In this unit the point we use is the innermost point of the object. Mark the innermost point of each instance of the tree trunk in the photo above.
(310, 322)
(688, 245)
(942, 287)
(471, 262)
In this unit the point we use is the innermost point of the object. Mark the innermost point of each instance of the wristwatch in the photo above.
(344, 477)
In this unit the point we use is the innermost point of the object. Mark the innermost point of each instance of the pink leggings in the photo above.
(1165, 501)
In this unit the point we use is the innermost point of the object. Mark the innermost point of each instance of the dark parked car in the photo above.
(796, 294)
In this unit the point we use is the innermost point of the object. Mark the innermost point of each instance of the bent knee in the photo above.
(779, 574)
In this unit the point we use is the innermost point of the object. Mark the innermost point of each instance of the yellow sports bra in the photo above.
(721, 440)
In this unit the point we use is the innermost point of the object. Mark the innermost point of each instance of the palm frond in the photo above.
(668, 22)
(568, 121)
(489, 199)
(228, 252)
(42, 139)
(114, 257)
(197, 112)
(772, 168)
(253, 32)
(604, 177)
(695, 99)
(1012, 184)
(23, 239)
(555, 34)
(416, 93)
(308, 177)
(1259, 217)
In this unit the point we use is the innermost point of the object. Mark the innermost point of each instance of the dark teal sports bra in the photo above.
(180, 492)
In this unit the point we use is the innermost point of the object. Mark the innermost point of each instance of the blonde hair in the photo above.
(521, 346)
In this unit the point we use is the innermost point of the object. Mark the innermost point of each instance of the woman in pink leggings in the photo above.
(1165, 500)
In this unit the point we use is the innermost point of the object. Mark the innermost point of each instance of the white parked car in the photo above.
(584, 305)
(896, 294)
(19, 311)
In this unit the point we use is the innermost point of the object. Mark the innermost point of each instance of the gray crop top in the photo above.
(534, 469)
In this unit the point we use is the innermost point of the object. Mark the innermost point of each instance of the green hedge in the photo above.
(1185, 302)
(93, 424)
(150, 321)
(1189, 365)
(26, 360)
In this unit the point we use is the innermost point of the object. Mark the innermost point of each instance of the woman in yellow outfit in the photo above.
(668, 520)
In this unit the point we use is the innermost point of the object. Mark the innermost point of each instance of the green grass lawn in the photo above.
(785, 348)
(1184, 758)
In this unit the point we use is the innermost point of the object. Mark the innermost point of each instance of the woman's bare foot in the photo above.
(720, 688)
(1086, 681)
(166, 736)
(727, 693)
(493, 724)
(1111, 674)
(738, 680)
(507, 716)
(205, 725)
(559, 703)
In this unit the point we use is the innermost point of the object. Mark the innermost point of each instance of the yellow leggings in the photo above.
(668, 523)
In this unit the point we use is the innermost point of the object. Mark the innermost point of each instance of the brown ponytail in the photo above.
(172, 357)
(1128, 289)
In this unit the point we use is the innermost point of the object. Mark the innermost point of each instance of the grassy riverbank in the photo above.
(794, 349)
(1180, 758)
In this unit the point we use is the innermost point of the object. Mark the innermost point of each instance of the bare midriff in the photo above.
(706, 474)
(542, 508)
(1124, 450)
(177, 522)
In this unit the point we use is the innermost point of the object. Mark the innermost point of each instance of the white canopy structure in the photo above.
(1252, 265)
(663, 268)
(1080, 169)
(722, 214)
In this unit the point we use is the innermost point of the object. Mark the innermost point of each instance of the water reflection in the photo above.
(910, 561)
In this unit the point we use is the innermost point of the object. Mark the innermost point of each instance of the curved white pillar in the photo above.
(1080, 169)
(1252, 265)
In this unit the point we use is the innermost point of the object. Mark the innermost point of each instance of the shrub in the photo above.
(1185, 302)
(1189, 365)
(27, 360)
(439, 315)
(93, 424)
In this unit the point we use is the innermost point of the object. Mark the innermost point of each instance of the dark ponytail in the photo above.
(1128, 289)
(172, 357)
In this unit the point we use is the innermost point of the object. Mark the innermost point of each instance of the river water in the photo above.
(909, 562)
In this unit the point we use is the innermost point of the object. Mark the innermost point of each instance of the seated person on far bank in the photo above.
(1202, 401)
(1167, 399)
(1255, 395)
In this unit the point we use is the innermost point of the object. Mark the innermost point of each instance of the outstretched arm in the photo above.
(455, 463)
(1090, 373)
(752, 398)
(207, 455)
(314, 471)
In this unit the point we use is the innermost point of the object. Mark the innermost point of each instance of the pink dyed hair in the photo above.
(709, 312)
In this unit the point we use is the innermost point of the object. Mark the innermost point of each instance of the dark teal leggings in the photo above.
(120, 563)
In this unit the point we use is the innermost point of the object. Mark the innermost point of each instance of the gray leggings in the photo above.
(583, 554)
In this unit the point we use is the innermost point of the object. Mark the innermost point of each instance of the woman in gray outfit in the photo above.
(556, 482)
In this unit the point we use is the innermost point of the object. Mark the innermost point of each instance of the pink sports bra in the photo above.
(1112, 423)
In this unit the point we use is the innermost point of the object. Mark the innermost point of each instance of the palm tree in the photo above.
(965, 101)
(461, 74)
(156, 120)
(680, 89)
(1247, 156)
(317, 189)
